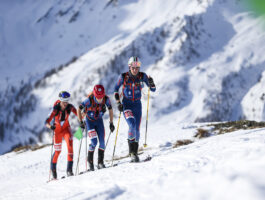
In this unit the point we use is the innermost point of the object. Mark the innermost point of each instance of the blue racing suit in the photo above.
(94, 122)
(132, 106)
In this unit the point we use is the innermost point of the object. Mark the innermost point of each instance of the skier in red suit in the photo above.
(61, 127)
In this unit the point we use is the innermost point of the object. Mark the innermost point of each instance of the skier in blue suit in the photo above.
(94, 108)
(131, 106)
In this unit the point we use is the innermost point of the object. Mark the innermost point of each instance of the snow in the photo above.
(206, 58)
(228, 166)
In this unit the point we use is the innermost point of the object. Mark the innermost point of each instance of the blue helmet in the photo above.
(64, 96)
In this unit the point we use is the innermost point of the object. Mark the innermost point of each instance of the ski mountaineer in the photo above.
(131, 106)
(94, 108)
(61, 127)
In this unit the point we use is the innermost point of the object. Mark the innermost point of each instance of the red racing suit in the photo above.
(62, 130)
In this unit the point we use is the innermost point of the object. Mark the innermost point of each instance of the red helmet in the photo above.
(99, 91)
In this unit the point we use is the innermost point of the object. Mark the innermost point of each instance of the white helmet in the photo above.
(135, 60)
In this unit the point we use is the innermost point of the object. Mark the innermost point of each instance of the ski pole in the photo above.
(116, 139)
(107, 140)
(77, 164)
(145, 145)
(51, 154)
(86, 149)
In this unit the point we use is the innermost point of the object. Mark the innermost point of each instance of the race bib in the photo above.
(92, 133)
(128, 114)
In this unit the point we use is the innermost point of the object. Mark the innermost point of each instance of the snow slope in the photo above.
(224, 167)
(206, 57)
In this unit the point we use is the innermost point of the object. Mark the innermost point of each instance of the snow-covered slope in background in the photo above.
(222, 167)
(206, 58)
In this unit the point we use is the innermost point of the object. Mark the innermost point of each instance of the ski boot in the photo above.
(69, 170)
(101, 159)
(133, 151)
(90, 159)
(53, 169)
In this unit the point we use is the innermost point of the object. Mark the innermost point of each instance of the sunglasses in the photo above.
(135, 64)
(135, 68)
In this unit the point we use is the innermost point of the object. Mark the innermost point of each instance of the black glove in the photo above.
(120, 107)
(151, 82)
(82, 125)
(53, 127)
(111, 127)
(103, 109)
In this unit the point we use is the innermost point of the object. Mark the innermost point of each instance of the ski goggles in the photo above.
(136, 64)
(65, 95)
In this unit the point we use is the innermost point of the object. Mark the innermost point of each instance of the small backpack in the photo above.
(57, 107)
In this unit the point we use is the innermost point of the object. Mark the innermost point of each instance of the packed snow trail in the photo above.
(228, 166)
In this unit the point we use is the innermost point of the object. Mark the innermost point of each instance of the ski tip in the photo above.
(148, 158)
(51, 180)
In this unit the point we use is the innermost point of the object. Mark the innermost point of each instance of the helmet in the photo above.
(64, 96)
(134, 61)
(99, 91)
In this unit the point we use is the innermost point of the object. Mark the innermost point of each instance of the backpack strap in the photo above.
(57, 108)
(94, 104)
(69, 108)
(125, 77)
(140, 75)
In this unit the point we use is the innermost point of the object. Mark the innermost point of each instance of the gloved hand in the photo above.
(120, 107)
(151, 82)
(82, 125)
(103, 109)
(111, 127)
(53, 127)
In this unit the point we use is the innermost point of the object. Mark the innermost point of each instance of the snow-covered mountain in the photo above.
(206, 57)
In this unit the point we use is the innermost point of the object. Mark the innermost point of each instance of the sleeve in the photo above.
(86, 103)
(118, 85)
(108, 103)
(145, 79)
(50, 116)
(74, 110)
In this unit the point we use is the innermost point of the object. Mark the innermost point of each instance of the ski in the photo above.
(83, 172)
(148, 158)
(52, 180)
(57, 179)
